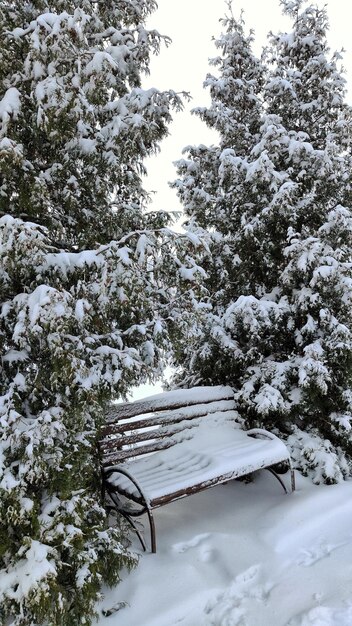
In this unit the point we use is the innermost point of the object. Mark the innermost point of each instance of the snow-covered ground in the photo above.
(245, 555)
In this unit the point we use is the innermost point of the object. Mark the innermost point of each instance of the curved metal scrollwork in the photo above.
(129, 512)
(261, 432)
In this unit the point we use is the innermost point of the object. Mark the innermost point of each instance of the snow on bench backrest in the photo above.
(169, 400)
(161, 418)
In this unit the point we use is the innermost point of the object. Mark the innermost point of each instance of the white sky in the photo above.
(183, 66)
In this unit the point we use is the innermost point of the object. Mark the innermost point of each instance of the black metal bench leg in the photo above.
(103, 491)
(113, 493)
(129, 519)
(293, 480)
(137, 531)
(292, 475)
(270, 469)
(152, 531)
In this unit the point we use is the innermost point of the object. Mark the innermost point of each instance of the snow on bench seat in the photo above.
(217, 450)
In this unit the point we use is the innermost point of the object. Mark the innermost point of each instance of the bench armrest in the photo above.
(263, 433)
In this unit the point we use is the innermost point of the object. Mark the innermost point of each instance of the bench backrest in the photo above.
(155, 423)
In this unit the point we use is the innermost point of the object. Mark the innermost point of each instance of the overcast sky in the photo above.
(183, 66)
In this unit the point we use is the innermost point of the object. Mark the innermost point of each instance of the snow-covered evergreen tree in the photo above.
(84, 284)
(279, 330)
(210, 196)
(79, 122)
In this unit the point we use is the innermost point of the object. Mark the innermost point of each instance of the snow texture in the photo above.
(245, 555)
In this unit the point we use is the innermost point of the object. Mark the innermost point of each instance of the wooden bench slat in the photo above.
(173, 417)
(169, 400)
(182, 493)
(148, 435)
(117, 457)
(163, 432)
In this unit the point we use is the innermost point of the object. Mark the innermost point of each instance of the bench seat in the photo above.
(212, 455)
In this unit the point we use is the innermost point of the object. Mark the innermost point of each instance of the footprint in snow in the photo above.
(207, 554)
(217, 566)
(232, 605)
(184, 546)
(317, 553)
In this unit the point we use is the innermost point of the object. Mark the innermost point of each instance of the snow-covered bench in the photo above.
(174, 444)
